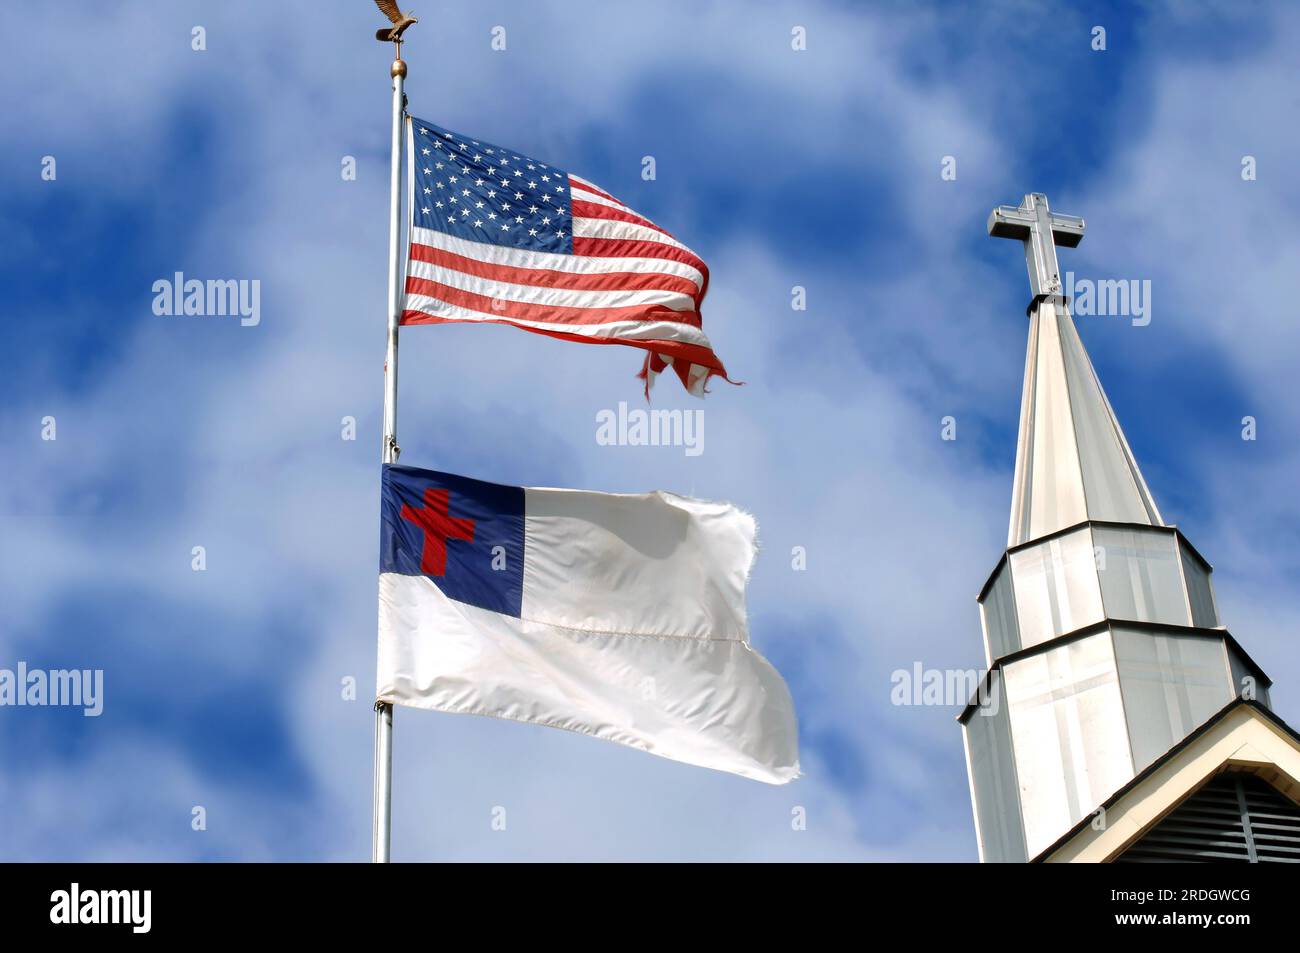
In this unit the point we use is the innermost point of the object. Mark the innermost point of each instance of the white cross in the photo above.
(1041, 230)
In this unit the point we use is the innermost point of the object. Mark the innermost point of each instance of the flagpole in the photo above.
(382, 831)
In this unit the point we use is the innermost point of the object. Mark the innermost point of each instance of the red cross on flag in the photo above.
(438, 527)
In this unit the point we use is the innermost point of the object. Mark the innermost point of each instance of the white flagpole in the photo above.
(382, 832)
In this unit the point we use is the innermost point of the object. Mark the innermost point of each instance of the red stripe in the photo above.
(575, 184)
(544, 277)
(636, 248)
(594, 210)
(678, 350)
(549, 313)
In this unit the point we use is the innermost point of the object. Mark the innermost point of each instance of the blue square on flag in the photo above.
(467, 536)
(486, 193)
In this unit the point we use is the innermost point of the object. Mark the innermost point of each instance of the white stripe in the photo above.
(543, 295)
(608, 228)
(588, 183)
(570, 264)
(600, 200)
(625, 330)
(582, 195)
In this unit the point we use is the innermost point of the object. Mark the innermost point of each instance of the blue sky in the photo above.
(818, 168)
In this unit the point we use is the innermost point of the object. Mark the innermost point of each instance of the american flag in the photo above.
(500, 238)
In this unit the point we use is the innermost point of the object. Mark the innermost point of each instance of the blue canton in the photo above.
(484, 193)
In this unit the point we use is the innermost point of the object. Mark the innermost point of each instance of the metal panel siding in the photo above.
(1171, 685)
(998, 612)
(1068, 734)
(1245, 682)
(1200, 592)
(1055, 586)
(1055, 496)
(1111, 485)
(1139, 575)
(997, 801)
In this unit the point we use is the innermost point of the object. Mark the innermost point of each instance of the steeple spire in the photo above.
(1072, 461)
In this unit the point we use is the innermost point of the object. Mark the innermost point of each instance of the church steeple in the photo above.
(1103, 641)
(1072, 461)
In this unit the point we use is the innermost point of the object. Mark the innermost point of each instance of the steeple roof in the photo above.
(1073, 462)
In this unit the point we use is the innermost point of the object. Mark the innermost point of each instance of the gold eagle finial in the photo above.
(400, 21)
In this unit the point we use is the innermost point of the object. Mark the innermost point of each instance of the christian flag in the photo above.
(620, 616)
(498, 237)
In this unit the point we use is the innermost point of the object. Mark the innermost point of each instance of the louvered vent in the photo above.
(1235, 817)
